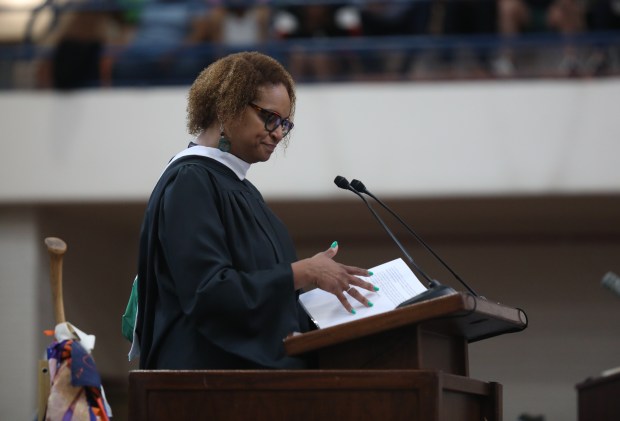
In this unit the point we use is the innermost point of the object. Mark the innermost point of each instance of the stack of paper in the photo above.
(396, 283)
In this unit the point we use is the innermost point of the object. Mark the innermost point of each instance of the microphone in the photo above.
(360, 187)
(435, 289)
(343, 183)
(611, 281)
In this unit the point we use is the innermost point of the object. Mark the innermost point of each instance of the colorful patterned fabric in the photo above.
(76, 393)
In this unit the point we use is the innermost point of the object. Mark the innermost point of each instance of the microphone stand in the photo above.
(360, 187)
(435, 289)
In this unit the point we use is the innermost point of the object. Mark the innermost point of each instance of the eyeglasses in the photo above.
(273, 120)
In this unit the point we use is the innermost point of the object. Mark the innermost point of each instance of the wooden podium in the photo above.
(597, 398)
(410, 363)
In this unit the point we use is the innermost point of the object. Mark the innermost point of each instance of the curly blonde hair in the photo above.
(223, 90)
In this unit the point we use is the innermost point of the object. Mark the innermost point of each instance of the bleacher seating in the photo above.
(114, 43)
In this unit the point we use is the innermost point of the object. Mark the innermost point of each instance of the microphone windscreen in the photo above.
(341, 182)
(611, 281)
(358, 185)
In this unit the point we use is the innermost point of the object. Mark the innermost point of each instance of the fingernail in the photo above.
(334, 244)
(370, 273)
(375, 288)
(353, 311)
(370, 304)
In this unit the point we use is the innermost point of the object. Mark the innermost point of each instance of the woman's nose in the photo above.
(277, 134)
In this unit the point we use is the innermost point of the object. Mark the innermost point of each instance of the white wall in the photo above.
(19, 350)
(401, 139)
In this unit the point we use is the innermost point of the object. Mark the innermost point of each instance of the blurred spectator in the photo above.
(567, 16)
(519, 16)
(604, 15)
(516, 17)
(317, 22)
(469, 17)
(237, 24)
(230, 26)
(78, 40)
(392, 19)
(156, 52)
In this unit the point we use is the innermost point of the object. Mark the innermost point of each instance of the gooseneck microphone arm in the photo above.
(361, 188)
(344, 184)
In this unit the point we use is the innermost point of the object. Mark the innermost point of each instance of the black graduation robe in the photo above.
(215, 287)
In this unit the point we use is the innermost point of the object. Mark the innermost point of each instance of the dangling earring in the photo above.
(224, 144)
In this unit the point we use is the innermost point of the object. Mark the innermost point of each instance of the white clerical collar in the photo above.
(237, 165)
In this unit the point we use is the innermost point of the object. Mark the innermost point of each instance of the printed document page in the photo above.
(396, 283)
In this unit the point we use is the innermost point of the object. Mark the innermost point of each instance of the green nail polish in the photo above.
(370, 304)
(334, 244)
(353, 311)
(370, 273)
(375, 288)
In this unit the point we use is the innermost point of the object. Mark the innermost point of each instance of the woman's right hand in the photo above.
(322, 271)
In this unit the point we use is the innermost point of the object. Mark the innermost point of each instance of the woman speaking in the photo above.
(219, 278)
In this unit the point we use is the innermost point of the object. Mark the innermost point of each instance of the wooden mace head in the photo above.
(55, 245)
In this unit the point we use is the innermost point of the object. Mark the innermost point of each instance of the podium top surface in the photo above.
(460, 314)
